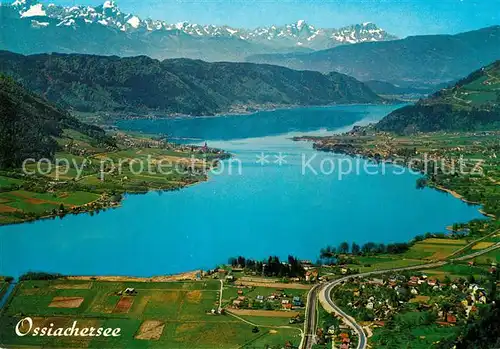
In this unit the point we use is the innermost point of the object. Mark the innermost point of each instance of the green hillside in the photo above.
(472, 104)
(30, 126)
(144, 85)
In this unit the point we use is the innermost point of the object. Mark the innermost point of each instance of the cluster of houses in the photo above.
(373, 295)
(129, 291)
(204, 149)
(474, 294)
(76, 149)
(312, 275)
(133, 142)
(218, 311)
(343, 339)
(277, 300)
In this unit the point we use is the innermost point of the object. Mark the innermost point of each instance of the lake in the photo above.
(271, 207)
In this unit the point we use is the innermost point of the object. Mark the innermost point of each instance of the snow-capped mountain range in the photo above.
(291, 37)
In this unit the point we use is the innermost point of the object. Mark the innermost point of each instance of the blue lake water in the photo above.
(268, 209)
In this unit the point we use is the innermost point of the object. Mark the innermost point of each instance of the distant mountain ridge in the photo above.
(142, 85)
(33, 27)
(417, 61)
(471, 104)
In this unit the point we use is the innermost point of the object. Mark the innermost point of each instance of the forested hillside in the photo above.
(142, 85)
(473, 103)
(29, 125)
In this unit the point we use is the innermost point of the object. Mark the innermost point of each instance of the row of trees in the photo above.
(39, 276)
(270, 267)
(369, 248)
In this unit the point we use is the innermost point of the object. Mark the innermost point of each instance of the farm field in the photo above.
(41, 202)
(434, 249)
(482, 245)
(267, 306)
(420, 253)
(457, 270)
(153, 315)
(422, 336)
(493, 256)
(384, 262)
(6, 181)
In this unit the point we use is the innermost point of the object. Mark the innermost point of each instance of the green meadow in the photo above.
(156, 315)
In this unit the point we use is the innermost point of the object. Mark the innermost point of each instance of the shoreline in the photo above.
(192, 275)
(104, 201)
(182, 276)
(88, 210)
(354, 153)
(173, 277)
(166, 116)
(460, 197)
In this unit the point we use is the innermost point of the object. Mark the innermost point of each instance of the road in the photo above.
(220, 294)
(472, 244)
(476, 254)
(309, 333)
(325, 290)
(331, 307)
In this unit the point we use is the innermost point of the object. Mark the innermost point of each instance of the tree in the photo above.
(355, 248)
(241, 261)
(344, 247)
(445, 307)
(116, 197)
(421, 183)
(232, 261)
(381, 248)
(447, 279)
(368, 247)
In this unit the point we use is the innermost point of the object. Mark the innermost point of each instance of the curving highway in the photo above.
(325, 291)
(309, 334)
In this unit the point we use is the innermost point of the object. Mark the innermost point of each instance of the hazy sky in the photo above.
(400, 17)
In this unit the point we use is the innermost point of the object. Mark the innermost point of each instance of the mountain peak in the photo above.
(24, 4)
(109, 4)
(34, 10)
(289, 36)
